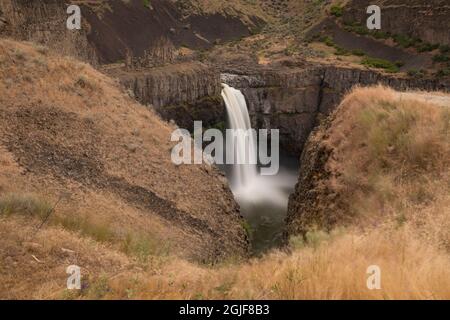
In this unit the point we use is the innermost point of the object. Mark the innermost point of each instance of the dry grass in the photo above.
(391, 159)
(331, 267)
(334, 269)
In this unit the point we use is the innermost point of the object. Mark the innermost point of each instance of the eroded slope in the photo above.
(68, 133)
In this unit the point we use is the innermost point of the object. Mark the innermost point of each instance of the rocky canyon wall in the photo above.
(292, 99)
(184, 92)
(425, 19)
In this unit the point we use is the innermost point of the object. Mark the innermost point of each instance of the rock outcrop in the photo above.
(291, 99)
(113, 29)
(424, 19)
(183, 92)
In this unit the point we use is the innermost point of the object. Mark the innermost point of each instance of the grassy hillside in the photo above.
(79, 154)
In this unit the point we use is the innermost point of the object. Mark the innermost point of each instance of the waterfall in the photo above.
(263, 199)
(245, 181)
(245, 170)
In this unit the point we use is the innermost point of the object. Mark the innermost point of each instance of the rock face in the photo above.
(291, 99)
(184, 92)
(306, 206)
(44, 22)
(112, 30)
(131, 26)
(424, 19)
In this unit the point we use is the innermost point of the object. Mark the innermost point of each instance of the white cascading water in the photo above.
(246, 182)
(244, 174)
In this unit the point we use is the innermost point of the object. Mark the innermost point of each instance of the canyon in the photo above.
(87, 115)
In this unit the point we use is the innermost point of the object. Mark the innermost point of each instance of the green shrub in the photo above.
(443, 72)
(328, 41)
(404, 41)
(342, 51)
(415, 73)
(146, 3)
(247, 227)
(380, 64)
(357, 28)
(426, 47)
(358, 52)
(441, 58)
(337, 11)
(380, 34)
(444, 49)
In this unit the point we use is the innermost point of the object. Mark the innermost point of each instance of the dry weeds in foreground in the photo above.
(336, 269)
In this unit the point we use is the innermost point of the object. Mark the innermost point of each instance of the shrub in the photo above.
(146, 3)
(328, 41)
(444, 48)
(358, 52)
(337, 11)
(248, 229)
(341, 51)
(443, 72)
(415, 73)
(425, 47)
(380, 34)
(441, 58)
(380, 64)
(405, 41)
(357, 28)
